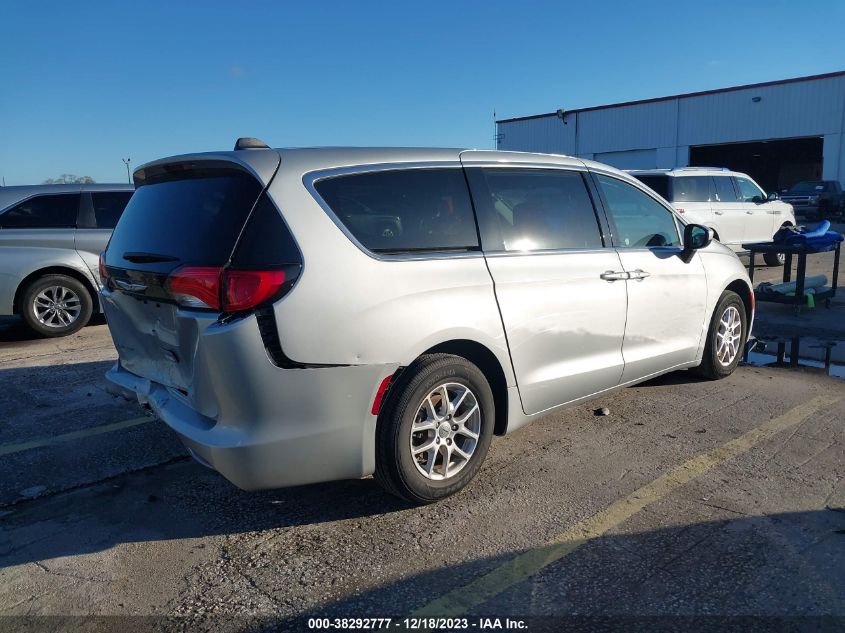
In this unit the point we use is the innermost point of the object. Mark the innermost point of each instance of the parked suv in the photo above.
(308, 315)
(729, 202)
(816, 199)
(50, 239)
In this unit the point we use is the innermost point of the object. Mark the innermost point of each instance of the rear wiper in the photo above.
(148, 258)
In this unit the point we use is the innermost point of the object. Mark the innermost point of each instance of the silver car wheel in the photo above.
(445, 431)
(57, 306)
(728, 336)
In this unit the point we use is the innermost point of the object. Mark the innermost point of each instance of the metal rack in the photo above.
(801, 250)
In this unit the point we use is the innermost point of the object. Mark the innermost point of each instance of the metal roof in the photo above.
(764, 84)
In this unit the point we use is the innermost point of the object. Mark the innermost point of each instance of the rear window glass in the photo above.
(193, 219)
(404, 210)
(659, 184)
(43, 212)
(109, 206)
(691, 189)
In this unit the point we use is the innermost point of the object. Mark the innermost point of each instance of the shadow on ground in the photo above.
(13, 329)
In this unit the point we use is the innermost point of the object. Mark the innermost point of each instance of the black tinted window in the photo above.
(108, 207)
(193, 218)
(660, 184)
(725, 189)
(691, 189)
(404, 210)
(266, 240)
(641, 221)
(43, 212)
(534, 209)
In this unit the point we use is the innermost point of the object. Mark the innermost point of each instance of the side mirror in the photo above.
(696, 237)
(757, 200)
(773, 196)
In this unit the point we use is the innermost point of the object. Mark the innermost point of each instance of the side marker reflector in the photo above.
(382, 389)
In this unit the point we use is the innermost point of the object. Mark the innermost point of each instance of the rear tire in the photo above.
(56, 305)
(725, 338)
(428, 446)
(774, 259)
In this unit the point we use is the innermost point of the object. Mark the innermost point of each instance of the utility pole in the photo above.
(126, 162)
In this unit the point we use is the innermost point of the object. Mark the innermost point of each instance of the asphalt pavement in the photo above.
(691, 500)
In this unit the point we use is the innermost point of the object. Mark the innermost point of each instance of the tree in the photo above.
(70, 179)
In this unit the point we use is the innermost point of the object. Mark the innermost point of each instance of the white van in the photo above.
(729, 202)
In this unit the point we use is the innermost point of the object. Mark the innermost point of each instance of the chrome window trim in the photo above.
(309, 179)
(550, 251)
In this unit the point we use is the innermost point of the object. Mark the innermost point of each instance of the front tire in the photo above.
(435, 429)
(56, 305)
(725, 338)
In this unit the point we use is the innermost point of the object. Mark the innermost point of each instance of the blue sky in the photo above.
(85, 84)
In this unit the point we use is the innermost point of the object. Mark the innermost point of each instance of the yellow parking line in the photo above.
(527, 564)
(8, 449)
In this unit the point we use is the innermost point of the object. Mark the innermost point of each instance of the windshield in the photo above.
(808, 186)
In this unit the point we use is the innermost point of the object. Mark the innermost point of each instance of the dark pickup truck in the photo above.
(815, 199)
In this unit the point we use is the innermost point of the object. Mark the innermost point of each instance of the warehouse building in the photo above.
(779, 132)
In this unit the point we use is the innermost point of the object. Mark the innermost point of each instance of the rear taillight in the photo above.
(195, 286)
(224, 289)
(104, 273)
(245, 289)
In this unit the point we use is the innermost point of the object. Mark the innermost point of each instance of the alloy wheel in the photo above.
(728, 336)
(57, 306)
(445, 431)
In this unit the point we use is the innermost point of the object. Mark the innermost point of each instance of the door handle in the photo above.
(749, 212)
(719, 212)
(614, 275)
(639, 274)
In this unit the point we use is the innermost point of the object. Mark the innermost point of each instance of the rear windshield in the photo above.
(194, 217)
(660, 184)
(404, 210)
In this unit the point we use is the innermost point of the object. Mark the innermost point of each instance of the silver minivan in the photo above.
(305, 315)
(51, 237)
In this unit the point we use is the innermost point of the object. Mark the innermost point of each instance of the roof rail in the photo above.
(709, 168)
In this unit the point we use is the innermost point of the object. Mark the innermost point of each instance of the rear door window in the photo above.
(534, 209)
(404, 210)
(43, 212)
(640, 220)
(108, 207)
(725, 191)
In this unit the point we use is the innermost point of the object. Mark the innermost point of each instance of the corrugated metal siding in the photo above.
(629, 159)
(805, 108)
(810, 108)
(632, 127)
(548, 135)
